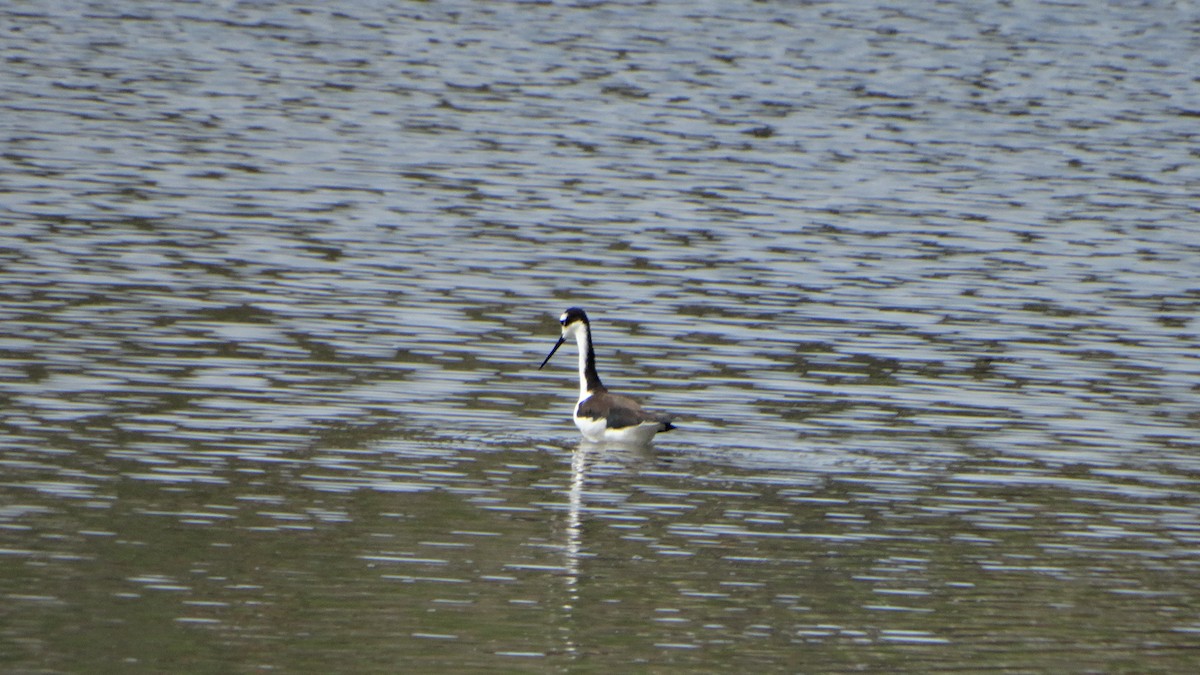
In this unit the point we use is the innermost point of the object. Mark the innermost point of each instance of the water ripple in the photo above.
(918, 282)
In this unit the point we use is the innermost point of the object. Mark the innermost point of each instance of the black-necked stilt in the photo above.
(602, 416)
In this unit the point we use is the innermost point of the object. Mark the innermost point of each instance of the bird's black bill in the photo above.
(556, 346)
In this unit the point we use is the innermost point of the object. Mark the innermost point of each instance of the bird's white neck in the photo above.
(583, 340)
(589, 381)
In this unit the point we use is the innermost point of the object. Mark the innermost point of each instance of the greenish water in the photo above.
(919, 284)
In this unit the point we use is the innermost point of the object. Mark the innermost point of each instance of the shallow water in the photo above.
(919, 283)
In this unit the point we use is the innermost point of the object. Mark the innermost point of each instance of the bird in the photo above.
(601, 415)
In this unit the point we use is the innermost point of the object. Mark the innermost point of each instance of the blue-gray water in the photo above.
(919, 281)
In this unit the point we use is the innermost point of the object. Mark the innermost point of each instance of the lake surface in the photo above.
(920, 283)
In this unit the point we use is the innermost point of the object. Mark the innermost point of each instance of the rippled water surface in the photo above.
(919, 280)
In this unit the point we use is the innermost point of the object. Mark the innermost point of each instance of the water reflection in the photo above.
(590, 464)
(572, 548)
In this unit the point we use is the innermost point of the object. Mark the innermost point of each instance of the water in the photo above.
(920, 283)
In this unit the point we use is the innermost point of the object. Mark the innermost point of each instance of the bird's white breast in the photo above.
(592, 429)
